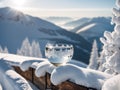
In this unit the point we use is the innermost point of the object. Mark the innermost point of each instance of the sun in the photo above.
(18, 4)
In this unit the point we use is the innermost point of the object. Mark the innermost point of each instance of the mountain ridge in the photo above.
(14, 30)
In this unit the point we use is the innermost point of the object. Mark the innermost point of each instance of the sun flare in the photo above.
(18, 4)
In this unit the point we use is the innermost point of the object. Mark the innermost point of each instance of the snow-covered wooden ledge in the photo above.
(40, 81)
(67, 77)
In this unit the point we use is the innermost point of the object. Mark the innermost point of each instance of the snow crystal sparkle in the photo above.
(59, 53)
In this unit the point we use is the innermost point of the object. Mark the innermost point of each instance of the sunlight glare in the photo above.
(19, 2)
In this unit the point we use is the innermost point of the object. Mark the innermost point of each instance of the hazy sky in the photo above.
(75, 8)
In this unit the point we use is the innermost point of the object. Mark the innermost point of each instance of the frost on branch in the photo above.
(111, 44)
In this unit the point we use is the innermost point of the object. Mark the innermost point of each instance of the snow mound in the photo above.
(10, 80)
(40, 66)
(44, 67)
(19, 82)
(77, 63)
(28, 63)
(112, 83)
(16, 60)
(78, 75)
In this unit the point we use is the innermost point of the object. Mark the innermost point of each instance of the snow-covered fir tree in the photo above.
(25, 48)
(93, 62)
(112, 44)
(1, 50)
(35, 49)
(28, 49)
(5, 50)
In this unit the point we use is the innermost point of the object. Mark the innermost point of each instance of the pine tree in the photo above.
(1, 50)
(28, 49)
(5, 50)
(36, 49)
(111, 43)
(25, 48)
(93, 64)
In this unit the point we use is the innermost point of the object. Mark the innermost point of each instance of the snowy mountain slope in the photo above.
(94, 28)
(16, 26)
(89, 28)
(58, 20)
(76, 23)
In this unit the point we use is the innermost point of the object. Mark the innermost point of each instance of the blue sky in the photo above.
(74, 8)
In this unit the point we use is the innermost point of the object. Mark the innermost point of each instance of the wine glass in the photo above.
(59, 54)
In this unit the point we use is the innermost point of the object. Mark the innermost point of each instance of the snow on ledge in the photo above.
(112, 83)
(10, 80)
(28, 63)
(43, 68)
(17, 81)
(77, 63)
(78, 75)
(16, 60)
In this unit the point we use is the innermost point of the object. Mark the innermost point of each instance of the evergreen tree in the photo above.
(5, 50)
(28, 49)
(111, 43)
(93, 63)
(36, 49)
(1, 50)
(25, 48)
